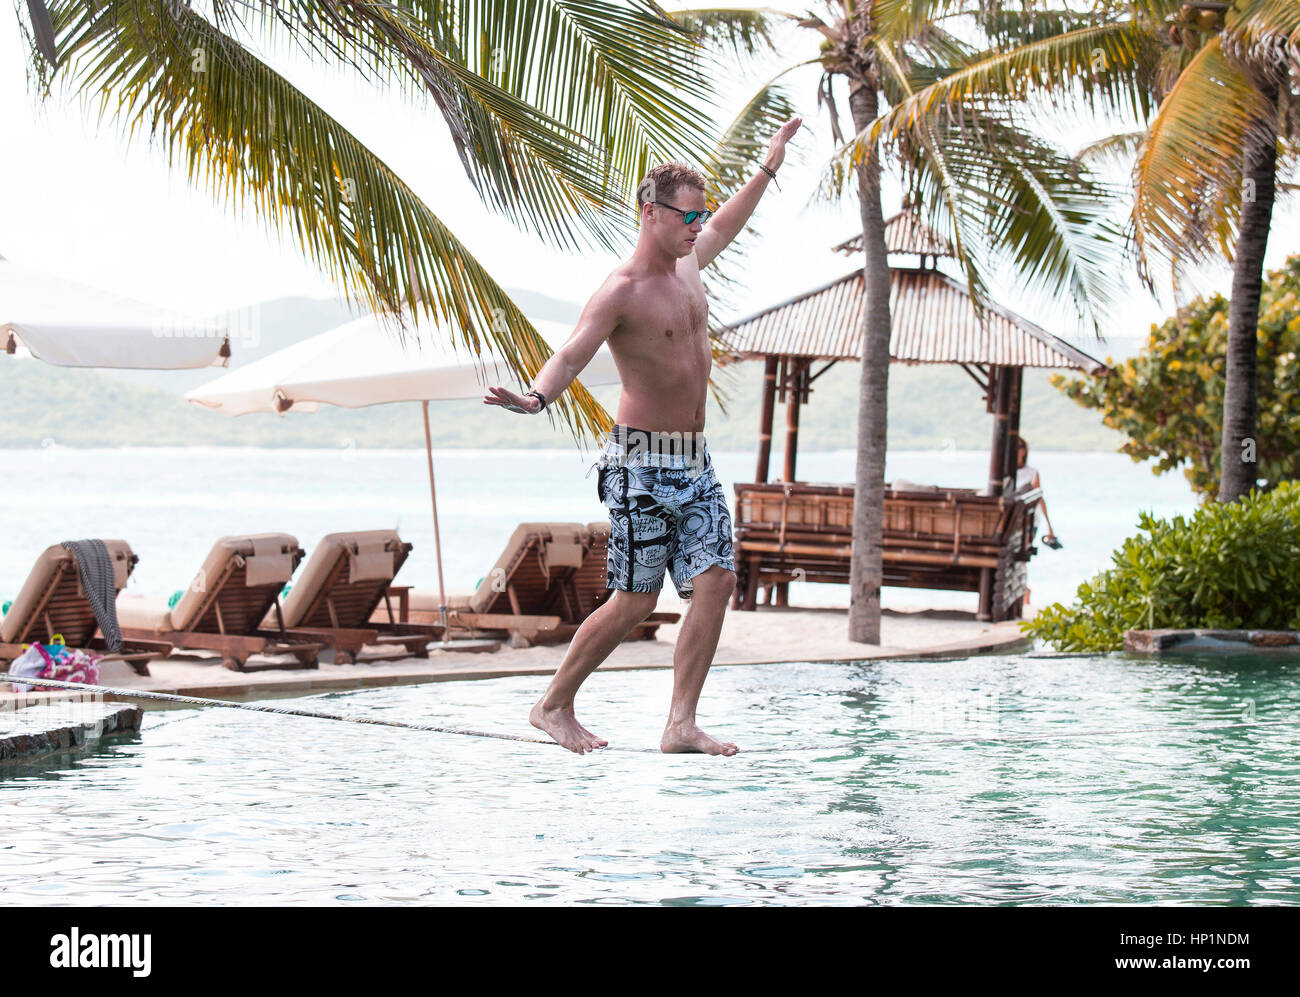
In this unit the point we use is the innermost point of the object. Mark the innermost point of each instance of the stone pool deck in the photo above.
(766, 636)
(1162, 641)
(61, 726)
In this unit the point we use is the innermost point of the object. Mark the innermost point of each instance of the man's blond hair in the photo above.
(664, 180)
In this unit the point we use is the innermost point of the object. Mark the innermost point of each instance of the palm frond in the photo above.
(1122, 147)
(932, 172)
(899, 21)
(1005, 26)
(1192, 158)
(1264, 32)
(1108, 66)
(745, 32)
(554, 136)
(1050, 221)
(246, 134)
(622, 74)
(1002, 194)
(1026, 209)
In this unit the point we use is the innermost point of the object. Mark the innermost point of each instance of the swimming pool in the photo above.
(222, 807)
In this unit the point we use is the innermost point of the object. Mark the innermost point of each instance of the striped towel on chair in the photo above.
(96, 567)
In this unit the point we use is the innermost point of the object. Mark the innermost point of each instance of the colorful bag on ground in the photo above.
(56, 662)
(74, 665)
(34, 660)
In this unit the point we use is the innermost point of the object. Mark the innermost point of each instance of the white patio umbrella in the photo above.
(71, 325)
(362, 363)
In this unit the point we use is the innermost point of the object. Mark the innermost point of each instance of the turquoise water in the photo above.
(221, 807)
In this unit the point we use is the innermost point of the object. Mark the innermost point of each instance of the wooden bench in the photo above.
(948, 538)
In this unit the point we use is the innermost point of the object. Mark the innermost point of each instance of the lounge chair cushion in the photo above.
(15, 623)
(426, 600)
(491, 585)
(268, 560)
(565, 547)
(371, 560)
(372, 556)
(144, 612)
(562, 545)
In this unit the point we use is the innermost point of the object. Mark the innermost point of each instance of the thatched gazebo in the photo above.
(952, 538)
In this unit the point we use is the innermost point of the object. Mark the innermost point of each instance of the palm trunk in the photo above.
(867, 571)
(1238, 456)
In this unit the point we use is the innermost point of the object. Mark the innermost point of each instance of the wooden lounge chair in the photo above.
(337, 597)
(223, 608)
(548, 579)
(52, 601)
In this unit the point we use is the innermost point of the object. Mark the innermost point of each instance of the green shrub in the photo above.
(1230, 567)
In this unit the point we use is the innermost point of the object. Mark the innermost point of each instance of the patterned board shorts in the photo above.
(666, 509)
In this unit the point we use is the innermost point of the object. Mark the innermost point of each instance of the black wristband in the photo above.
(540, 397)
(770, 174)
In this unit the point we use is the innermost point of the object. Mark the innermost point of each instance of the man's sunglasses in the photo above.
(687, 216)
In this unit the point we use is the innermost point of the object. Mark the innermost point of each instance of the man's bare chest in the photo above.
(671, 315)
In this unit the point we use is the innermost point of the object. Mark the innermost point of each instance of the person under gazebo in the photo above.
(1026, 478)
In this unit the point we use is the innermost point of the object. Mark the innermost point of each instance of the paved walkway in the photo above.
(767, 635)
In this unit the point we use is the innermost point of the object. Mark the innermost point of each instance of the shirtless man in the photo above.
(667, 509)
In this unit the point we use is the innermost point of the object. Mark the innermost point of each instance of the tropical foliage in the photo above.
(555, 107)
(1230, 567)
(1168, 400)
(1208, 168)
(1212, 89)
(974, 164)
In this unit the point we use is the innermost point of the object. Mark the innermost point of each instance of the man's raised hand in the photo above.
(776, 148)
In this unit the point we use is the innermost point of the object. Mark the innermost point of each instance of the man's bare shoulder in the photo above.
(615, 291)
(615, 301)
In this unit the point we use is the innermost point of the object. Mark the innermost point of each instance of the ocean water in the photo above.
(172, 504)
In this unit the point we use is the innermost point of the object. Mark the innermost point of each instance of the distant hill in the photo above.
(931, 407)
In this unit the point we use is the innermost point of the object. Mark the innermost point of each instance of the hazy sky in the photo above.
(79, 199)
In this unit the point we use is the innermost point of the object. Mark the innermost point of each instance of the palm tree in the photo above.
(1206, 174)
(1003, 196)
(1213, 89)
(556, 108)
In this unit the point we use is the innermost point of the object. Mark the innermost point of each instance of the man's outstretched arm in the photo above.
(598, 320)
(731, 217)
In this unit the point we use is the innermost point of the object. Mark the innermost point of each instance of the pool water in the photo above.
(224, 807)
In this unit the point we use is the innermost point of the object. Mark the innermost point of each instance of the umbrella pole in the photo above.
(437, 540)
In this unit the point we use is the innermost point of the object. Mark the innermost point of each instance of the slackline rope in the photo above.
(168, 697)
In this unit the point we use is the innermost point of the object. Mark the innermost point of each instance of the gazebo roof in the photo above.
(904, 233)
(934, 321)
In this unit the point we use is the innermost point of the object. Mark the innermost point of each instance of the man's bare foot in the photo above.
(562, 725)
(682, 737)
